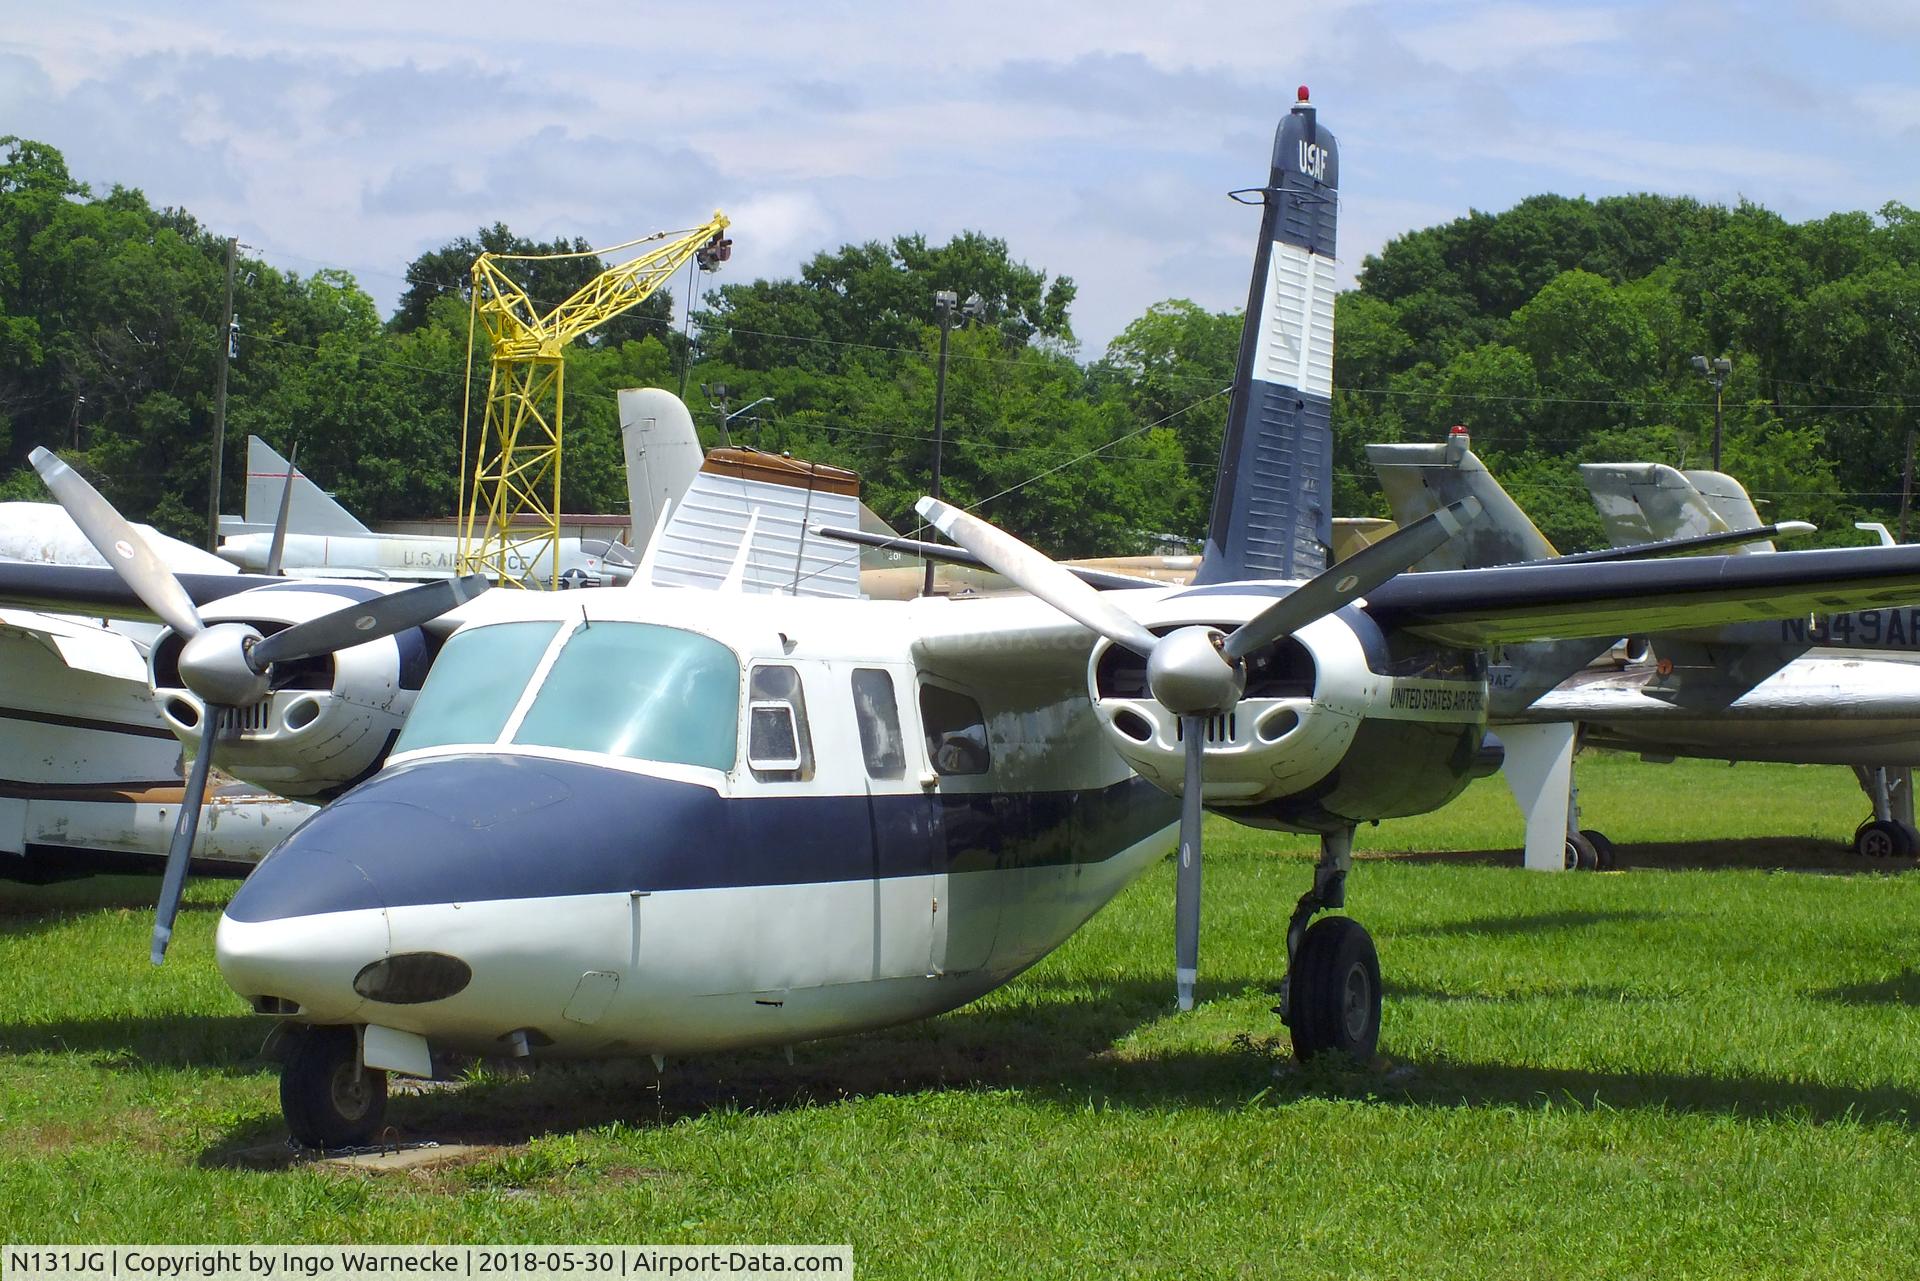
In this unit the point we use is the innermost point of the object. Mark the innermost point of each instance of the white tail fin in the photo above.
(1652, 502)
(313, 510)
(1419, 479)
(662, 450)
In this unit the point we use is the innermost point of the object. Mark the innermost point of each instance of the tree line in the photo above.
(1559, 331)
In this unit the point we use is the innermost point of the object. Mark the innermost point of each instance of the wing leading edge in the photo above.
(1478, 607)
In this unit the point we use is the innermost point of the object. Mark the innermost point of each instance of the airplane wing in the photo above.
(98, 592)
(1027, 640)
(81, 646)
(1478, 607)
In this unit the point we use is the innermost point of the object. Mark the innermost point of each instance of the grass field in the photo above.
(1705, 1066)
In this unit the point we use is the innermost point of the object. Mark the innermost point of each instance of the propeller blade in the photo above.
(120, 543)
(1186, 894)
(1355, 576)
(180, 853)
(277, 550)
(1032, 571)
(358, 624)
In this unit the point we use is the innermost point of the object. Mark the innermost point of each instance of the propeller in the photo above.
(229, 665)
(1197, 672)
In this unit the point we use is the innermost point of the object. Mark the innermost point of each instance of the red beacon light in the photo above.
(1300, 94)
(1458, 442)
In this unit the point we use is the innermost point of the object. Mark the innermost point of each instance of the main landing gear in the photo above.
(1589, 850)
(329, 1098)
(1330, 998)
(1890, 833)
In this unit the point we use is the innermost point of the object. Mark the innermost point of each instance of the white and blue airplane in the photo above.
(649, 821)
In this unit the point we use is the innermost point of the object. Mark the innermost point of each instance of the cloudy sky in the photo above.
(1097, 139)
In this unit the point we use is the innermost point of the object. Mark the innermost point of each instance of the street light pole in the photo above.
(944, 302)
(1715, 371)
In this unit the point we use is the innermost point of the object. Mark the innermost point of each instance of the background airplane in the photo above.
(1840, 689)
(662, 453)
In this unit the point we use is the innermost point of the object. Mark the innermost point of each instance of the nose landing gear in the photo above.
(330, 1100)
(1330, 998)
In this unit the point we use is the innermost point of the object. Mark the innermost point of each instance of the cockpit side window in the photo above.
(956, 731)
(879, 719)
(779, 745)
(641, 691)
(475, 684)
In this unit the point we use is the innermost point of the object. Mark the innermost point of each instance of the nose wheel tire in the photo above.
(1334, 992)
(327, 1097)
(1883, 838)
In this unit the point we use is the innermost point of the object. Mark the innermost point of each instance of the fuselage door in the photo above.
(904, 818)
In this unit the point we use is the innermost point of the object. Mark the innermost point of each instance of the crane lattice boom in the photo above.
(510, 496)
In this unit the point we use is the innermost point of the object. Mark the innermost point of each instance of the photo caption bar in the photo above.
(452, 1262)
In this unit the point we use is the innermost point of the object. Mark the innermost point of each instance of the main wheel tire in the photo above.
(327, 1097)
(1883, 838)
(1605, 856)
(1581, 856)
(1334, 994)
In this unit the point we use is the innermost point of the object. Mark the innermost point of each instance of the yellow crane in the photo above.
(509, 518)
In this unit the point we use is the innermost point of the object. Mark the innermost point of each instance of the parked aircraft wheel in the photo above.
(1334, 992)
(1606, 858)
(1581, 855)
(329, 1100)
(1883, 838)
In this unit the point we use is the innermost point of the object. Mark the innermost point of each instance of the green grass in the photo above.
(1702, 1067)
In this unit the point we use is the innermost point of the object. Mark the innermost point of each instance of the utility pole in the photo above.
(1715, 371)
(227, 353)
(944, 301)
(1906, 487)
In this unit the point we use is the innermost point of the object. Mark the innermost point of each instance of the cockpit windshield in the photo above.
(642, 691)
(476, 683)
(625, 689)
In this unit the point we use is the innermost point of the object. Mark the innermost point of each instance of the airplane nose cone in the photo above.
(323, 906)
(299, 930)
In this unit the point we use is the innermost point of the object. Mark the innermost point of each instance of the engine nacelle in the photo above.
(1332, 730)
(1304, 700)
(329, 721)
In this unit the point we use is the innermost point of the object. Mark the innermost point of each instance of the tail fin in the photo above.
(312, 511)
(1730, 501)
(1422, 478)
(1272, 499)
(663, 454)
(1651, 502)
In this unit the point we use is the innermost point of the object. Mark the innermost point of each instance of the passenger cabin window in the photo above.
(475, 684)
(956, 731)
(641, 691)
(779, 748)
(879, 719)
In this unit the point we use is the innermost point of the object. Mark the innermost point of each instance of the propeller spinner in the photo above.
(1197, 671)
(229, 665)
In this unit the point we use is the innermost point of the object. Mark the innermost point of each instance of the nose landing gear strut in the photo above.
(1330, 998)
